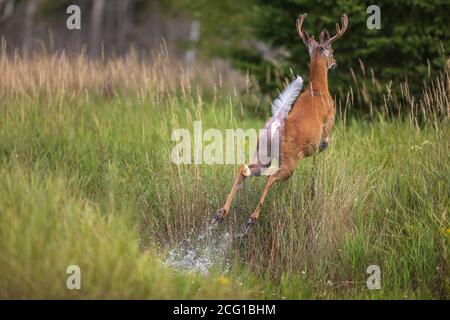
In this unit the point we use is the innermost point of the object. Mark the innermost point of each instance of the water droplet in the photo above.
(201, 253)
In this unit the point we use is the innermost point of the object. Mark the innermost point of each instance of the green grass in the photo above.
(89, 182)
(86, 179)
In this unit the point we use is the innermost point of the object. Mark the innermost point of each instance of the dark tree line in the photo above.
(412, 44)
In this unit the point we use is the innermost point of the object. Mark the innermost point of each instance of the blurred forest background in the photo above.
(257, 37)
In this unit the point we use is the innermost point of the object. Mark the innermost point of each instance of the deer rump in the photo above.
(269, 141)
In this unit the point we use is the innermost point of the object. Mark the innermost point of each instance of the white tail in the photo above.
(270, 136)
(282, 105)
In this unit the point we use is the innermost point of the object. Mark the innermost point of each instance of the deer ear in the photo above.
(324, 37)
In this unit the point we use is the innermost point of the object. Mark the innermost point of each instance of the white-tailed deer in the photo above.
(304, 121)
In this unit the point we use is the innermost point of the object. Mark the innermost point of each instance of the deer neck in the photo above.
(318, 76)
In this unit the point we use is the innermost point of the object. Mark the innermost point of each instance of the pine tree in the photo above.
(411, 44)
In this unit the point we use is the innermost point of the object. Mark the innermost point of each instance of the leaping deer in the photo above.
(304, 121)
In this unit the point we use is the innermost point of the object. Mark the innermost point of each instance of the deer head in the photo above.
(323, 48)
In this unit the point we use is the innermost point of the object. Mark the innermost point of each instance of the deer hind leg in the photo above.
(255, 215)
(253, 169)
(243, 173)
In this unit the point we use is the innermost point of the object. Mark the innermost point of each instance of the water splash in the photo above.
(201, 253)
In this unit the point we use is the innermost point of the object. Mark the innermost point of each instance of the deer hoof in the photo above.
(217, 217)
(323, 145)
(247, 227)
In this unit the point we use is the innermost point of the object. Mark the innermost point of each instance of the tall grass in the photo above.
(86, 178)
(394, 100)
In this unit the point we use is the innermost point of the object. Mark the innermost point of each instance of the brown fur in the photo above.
(310, 120)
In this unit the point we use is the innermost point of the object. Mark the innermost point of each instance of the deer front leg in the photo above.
(255, 215)
(326, 133)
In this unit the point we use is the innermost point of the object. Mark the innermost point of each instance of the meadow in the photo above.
(86, 179)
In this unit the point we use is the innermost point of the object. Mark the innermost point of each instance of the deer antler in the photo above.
(340, 30)
(302, 32)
